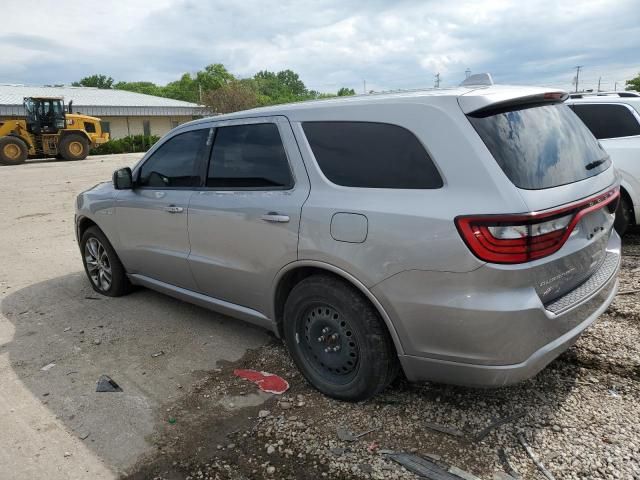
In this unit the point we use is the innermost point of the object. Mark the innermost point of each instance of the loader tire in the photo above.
(13, 150)
(74, 147)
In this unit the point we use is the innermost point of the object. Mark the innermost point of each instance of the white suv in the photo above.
(614, 119)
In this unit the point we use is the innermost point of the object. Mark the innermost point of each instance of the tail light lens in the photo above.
(522, 238)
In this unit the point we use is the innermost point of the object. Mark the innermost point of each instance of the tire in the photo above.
(94, 245)
(74, 147)
(323, 312)
(13, 150)
(624, 215)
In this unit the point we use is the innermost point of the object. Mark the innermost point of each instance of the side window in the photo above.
(249, 156)
(371, 155)
(106, 126)
(175, 163)
(607, 121)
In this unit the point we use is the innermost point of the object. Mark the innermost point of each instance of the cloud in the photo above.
(400, 44)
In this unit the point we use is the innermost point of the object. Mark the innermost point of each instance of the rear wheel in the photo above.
(13, 151)
(337, 339)
(624, 215)
(74, 147)
(102, 265)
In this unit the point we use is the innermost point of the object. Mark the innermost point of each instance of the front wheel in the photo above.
(74, 147)
(338, 340)
(102, 265)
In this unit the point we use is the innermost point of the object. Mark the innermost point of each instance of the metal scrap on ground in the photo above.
(267, 382)
(347, 435)
(421, 466)
(501, 421)
(538, 463)
(443, 429)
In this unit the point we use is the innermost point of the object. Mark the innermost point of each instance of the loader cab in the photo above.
(44, 114)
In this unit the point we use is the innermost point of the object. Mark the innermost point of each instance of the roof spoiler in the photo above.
(488, 102)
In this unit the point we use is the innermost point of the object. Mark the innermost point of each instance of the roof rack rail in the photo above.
(625, 93)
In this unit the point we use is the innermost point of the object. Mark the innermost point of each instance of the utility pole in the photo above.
(436, 84)
(599, 78)
(467, 73)
(364, 86)
(615, 87)
(578, 68)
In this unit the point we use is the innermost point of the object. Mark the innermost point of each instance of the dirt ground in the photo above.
(184, 415)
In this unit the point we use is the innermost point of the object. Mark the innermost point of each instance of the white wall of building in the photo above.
(123, 126)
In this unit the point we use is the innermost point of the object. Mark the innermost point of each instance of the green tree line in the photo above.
(220, 90)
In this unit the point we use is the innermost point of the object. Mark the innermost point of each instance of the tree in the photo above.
(344, 91)
(148, 88)
(634, 84)
(232, 97)
(99, 81)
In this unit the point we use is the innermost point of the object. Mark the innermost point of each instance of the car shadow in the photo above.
(66, 336)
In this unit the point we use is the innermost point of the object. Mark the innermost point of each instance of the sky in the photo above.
(331, 44)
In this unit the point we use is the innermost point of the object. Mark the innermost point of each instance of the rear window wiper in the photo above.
(594, 164)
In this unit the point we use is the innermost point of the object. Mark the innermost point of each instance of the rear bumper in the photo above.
(428, 369)
(469, 329)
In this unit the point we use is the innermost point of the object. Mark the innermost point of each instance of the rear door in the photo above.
(243, 225)
(555, 162)
(152, 217)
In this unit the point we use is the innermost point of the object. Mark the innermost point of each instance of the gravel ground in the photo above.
(580, 417)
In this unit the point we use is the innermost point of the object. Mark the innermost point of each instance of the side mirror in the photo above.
(123, 179)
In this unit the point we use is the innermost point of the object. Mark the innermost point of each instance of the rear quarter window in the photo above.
(541, 146)
(371, 155)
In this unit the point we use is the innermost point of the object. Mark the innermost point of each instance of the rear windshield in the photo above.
(541, 146)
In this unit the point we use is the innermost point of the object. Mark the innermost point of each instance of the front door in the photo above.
(244, 224)
(152, 217)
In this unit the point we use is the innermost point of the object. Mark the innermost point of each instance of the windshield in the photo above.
(541, 146)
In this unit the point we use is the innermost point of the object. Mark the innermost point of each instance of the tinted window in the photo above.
(608, 121)
(249, 156)
(541, 146)
(175, 163)
(373, 155)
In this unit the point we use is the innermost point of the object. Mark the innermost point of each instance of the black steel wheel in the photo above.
(337, 339)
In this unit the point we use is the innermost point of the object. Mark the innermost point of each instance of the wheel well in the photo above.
(627, 198)
(83, 225)
(290, 279)
(65, 133)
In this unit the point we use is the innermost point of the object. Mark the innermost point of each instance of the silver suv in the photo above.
(464, 236)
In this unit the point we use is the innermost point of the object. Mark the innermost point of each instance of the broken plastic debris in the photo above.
(267, 382)
(106, 384)
(48, 367)
(157, 354)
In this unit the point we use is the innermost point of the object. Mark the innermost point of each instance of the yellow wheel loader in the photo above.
(49, 131)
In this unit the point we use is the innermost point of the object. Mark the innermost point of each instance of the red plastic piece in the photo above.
(267, 382)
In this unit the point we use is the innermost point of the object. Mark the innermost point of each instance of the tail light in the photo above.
(522, 238)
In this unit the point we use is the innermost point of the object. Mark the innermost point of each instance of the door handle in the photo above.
(275, 217)
(173, 209)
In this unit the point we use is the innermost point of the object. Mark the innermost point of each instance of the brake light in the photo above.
(522, 238)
